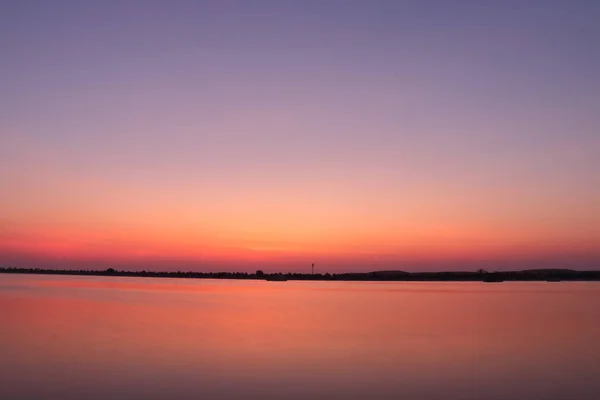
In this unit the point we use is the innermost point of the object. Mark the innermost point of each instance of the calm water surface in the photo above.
(138, 338)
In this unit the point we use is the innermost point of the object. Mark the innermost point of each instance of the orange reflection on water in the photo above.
(158, 337)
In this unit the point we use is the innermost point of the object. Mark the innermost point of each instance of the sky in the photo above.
(358, 135)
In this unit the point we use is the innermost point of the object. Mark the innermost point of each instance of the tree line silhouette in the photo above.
(551, 275)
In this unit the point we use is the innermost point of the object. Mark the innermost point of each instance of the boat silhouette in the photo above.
(275, 278)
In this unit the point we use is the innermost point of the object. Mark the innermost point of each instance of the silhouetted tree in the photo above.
(260, 274)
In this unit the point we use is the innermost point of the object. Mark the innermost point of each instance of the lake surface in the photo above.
(149, 338)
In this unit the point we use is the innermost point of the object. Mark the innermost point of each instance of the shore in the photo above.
(550, 275)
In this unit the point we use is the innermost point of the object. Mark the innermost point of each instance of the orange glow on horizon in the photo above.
(128, 244)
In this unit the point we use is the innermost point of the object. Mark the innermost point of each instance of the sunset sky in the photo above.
(359, 135)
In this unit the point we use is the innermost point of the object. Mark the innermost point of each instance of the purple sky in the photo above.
(391, 133)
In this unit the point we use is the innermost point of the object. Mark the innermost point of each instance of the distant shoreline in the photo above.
(549, 275)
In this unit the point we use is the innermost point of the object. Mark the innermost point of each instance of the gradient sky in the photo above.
(232, 135)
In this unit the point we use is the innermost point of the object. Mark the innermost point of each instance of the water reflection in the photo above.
(100, 337)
